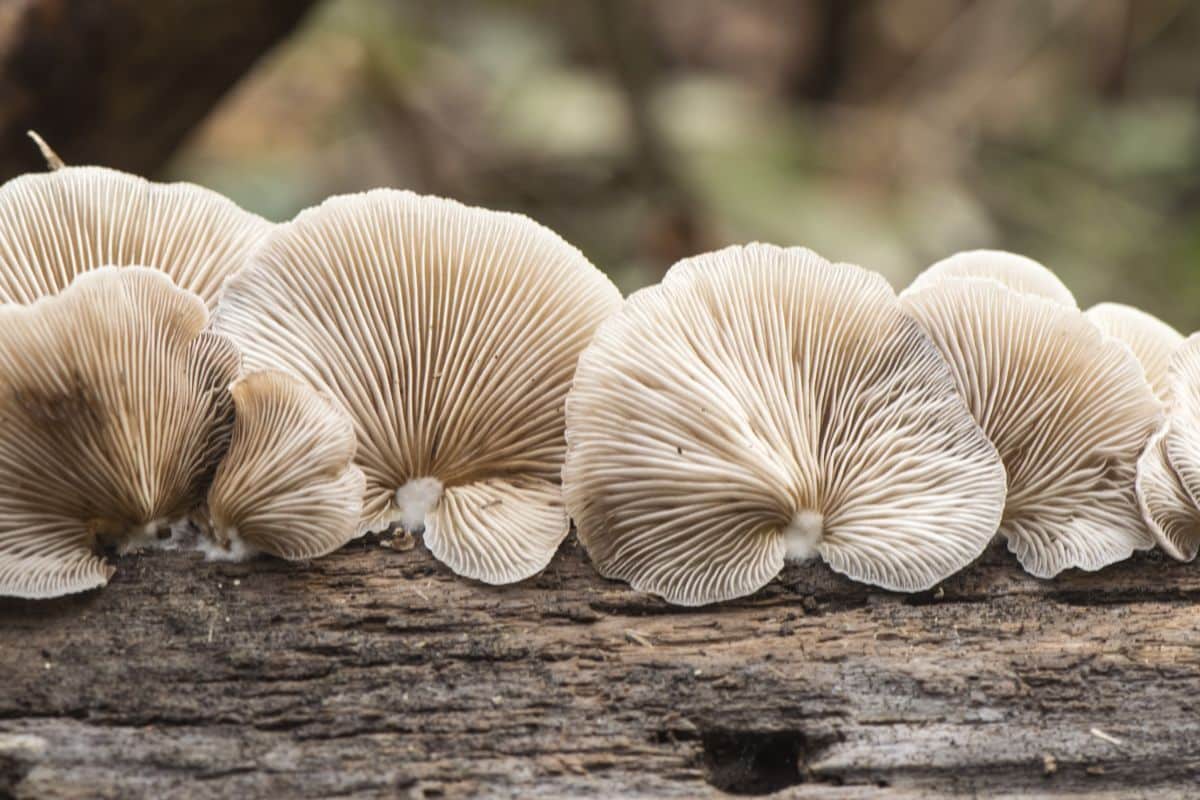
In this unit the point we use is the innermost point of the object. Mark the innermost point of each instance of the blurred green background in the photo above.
(887, 133)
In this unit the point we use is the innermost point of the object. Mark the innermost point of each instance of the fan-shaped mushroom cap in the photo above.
(1017, 272)
(1182, 440)
(288, 485)
(450, 334)
(1169, 512)
(113, 415)
(762, 404)
(1068, 408)
(56, 225)
(1152, 340)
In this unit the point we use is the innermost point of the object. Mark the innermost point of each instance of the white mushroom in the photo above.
(450, 335)
(56, 225)
(763, 405)
(1168, 510)
(113, 415)
(1152, 340)
(1182, 440)
(1067, 407)
(1017, 272)
(288, 485)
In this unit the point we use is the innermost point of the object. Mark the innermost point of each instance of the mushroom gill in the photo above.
(1068, 408)
(1151, 340)
(287, 486)
(450, 335)
(57, 225)
(113, 415)
(1017, 272)
(761, 405)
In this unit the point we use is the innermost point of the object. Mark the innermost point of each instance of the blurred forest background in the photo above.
(888, 133)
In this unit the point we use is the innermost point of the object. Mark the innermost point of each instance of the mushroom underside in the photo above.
(495, 530)
(1168, 510)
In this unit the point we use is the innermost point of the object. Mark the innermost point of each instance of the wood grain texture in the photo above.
(376, 673)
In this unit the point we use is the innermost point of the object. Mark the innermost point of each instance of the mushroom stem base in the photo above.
(802, 535)
(157, 534)
(415, 499)
(225, 544)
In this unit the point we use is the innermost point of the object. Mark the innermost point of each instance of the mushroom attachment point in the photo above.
(57, 225)
(1017, 272)
(288, 486)
(113, 416)
(1068, 408)
(1151, 340)
(760, 405)
(450, 335)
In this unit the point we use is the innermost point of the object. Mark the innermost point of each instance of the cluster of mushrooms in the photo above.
(177, 369)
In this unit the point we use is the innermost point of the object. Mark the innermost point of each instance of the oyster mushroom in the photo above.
(1167, 508)
(1017, 272)
(450, 335)
(57, 225)
(762, 405)
(1068, 408)
(1151, 340)
(1182, 440)
(113, 415)
(287, 486)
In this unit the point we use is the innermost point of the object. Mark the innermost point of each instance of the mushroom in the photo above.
(450, 335)
(1017, 272)
(1152, 340)
(1068, 408)
(1182, 440)
(763, 405)
(56, 225)
(288, 486)
(1168, 510)
(113, 415)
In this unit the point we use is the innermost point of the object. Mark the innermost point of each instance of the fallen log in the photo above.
(377, 673)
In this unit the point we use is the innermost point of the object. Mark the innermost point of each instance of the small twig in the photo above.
(1108, 737)
(638, 638)
(52, 159)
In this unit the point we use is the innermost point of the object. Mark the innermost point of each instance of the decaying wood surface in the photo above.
(376, 673)
(121, 83)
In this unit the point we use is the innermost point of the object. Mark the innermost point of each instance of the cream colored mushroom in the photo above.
(1167, 502)
(450, 335)
(57, 225)
(113, 415)
(1017, 272)
(763, 405)
(1167, 509)
(1152, 340)
(1067, 407)
(1182, 441)
(288, 486)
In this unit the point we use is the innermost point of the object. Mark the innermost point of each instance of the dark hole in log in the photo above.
(754, 762)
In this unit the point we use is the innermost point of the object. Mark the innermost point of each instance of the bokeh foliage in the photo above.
(887, 132)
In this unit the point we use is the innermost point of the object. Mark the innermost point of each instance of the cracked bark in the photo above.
(374, 673)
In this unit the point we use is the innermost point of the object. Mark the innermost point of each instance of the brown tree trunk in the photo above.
(375, 673)
(122, 82)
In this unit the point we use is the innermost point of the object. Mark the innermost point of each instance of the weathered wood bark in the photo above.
(122, 82)
(376, 673)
